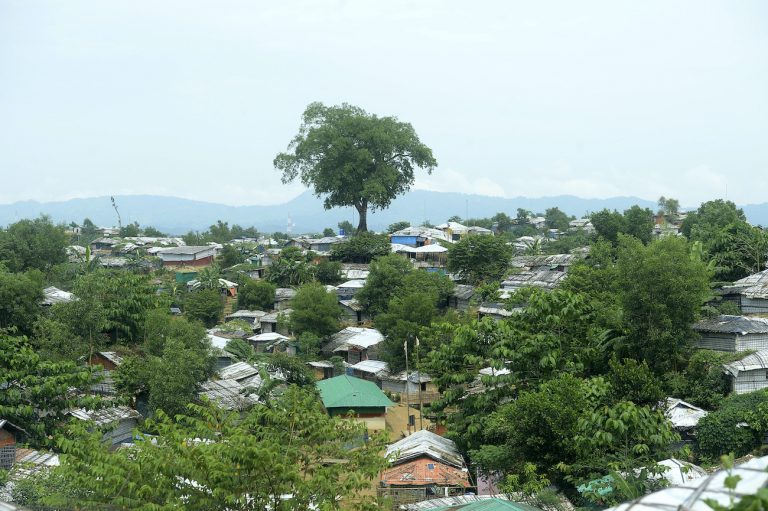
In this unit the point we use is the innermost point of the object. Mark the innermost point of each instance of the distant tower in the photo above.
(290, 226)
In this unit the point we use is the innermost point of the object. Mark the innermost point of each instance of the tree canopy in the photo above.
(353, 158)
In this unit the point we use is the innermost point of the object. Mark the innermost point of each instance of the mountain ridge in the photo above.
(177, 215)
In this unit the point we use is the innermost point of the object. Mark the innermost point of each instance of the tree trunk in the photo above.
(362, 210)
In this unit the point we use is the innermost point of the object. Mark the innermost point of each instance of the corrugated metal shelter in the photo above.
(354, 344)
(750, 373)
(344, 394)
(52, 295)
(749, 293)
(691, 496)
(238, 372)
(425, 471)
(732, 333)
(425, 443)
(117, 422)
(9, 433)
(228, 394)
(683, 416)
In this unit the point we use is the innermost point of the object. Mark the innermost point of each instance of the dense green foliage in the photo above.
(354, 158)
(29, 244)
(315, 310)
(271, 458)
(635, 221)
(328, 272)
(736, 247)
(20, 295)
(291, 268)
(727, 430)
(386, 276)
(479, 258)
(37, 394)
(361, 248)
(256, 295)
(205, 305)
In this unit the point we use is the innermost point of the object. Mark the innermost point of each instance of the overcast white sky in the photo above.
(534, 98)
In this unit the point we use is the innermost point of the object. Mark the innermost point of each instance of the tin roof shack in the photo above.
(732, 333)
(251, 317)
(228, 394)
(432, 256)
(10, 434)
(354, 344)
(277, 321)
(109, 361)
(355, 271)
(322, 369)
(323, 245)
(103, 246)
(544, 272)
(344, 394)
(226, 287)
(461, 296)
(417, 236)
(371, 370)
(270, 342)
(750, 294)
(426, 459)
(52, 295)
(187, 256)
(349, 289)
(684, 417)
(396, 383)
(283, 298)
(495, 310)
(750, 373)
(116, 423)
(353, 311)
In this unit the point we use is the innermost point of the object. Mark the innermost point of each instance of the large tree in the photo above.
(354, 158)
(479, 258)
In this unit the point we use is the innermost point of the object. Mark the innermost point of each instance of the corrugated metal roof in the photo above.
(112, 357)
(350, 392)
(246, 314)
(683, 415)
(757, 360)
(352, 284)
(272, 316)
(320, 363)
(733, 325)
(228, 394)
(352, 304)
(106, 416)
(425, 443)
(353, 337)
(185, 250)
(268, 337)
(463, 291)
(238, 371)
(284, 293)
(691, 496)
(371, 366)
(53, 295)
(752, 286)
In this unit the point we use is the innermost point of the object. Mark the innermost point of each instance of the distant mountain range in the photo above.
(306, 212)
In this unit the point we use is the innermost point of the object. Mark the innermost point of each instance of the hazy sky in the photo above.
(534, 98)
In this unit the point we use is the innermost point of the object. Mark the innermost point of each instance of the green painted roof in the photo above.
(350, 392)
(488, 505)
